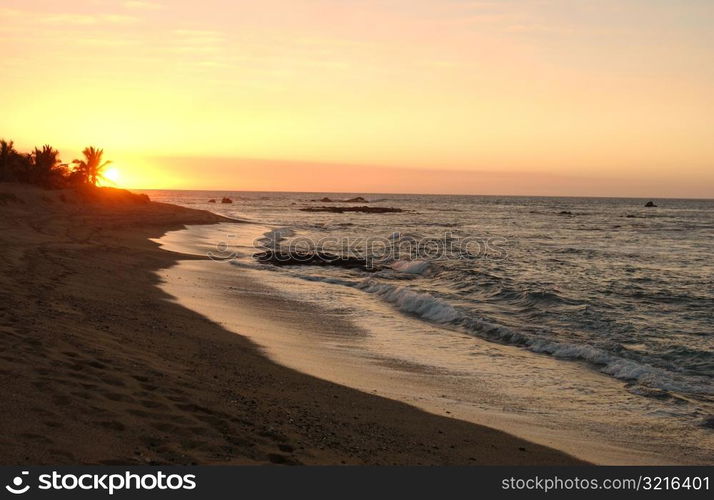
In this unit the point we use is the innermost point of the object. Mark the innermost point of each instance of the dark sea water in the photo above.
(625, 290)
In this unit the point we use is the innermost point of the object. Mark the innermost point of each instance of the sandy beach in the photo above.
(99, 366)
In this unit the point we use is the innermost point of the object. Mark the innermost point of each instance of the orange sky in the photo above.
(556, 97)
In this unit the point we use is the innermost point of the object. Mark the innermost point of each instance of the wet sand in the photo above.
(99, 366)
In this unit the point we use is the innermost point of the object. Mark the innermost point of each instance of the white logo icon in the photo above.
(16, 487)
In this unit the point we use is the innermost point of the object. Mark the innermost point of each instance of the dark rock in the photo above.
(226, 200)
(363, 209)
(304, 258)
(211, 200)
(358, 199)
(650, 204)
(566, 212)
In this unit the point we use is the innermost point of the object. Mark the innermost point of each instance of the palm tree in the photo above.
(46, 168)
(89, 170)
(8, 159)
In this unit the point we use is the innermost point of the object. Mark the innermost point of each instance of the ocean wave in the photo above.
(440, 311)
(411, 266)
(409, 301)
(533, 298)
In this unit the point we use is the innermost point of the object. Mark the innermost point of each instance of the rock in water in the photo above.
(365, 209)
(650, 204)
(300, 258)
(226, 200)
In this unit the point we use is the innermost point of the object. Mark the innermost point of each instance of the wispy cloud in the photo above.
(539, 28)
(84, 19)
(142, 5)
(198, 40)
(7, 12)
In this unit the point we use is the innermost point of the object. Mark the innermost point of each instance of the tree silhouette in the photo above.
(46, 169)
(8, 160)
(89, 170)
(43, 167)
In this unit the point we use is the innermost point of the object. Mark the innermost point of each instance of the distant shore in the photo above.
(98, 366)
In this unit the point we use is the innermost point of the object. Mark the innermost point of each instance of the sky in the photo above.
(539, 97)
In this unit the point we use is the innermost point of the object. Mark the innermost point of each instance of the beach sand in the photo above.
(99, 366)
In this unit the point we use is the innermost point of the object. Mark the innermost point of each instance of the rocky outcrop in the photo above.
(358, 199)
(362, 209)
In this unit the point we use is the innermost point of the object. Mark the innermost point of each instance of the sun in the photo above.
(112, 175)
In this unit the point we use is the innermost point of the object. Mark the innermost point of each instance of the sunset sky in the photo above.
(552, 97)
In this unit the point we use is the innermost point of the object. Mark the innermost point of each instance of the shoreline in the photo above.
(99, 366)
(294, 328)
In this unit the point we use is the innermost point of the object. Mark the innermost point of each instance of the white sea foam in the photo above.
(411, 266)
(412, 302)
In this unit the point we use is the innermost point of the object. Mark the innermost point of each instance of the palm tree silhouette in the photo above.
(46, 167)
(89, 170)
(8, 158)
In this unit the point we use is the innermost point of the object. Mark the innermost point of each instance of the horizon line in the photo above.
(418, 194)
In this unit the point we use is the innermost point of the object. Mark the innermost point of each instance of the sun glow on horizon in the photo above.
(113, 175)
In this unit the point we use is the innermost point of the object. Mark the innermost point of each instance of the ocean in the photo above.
(620, 290)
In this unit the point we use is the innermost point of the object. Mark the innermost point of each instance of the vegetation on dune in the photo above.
(43, 167)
